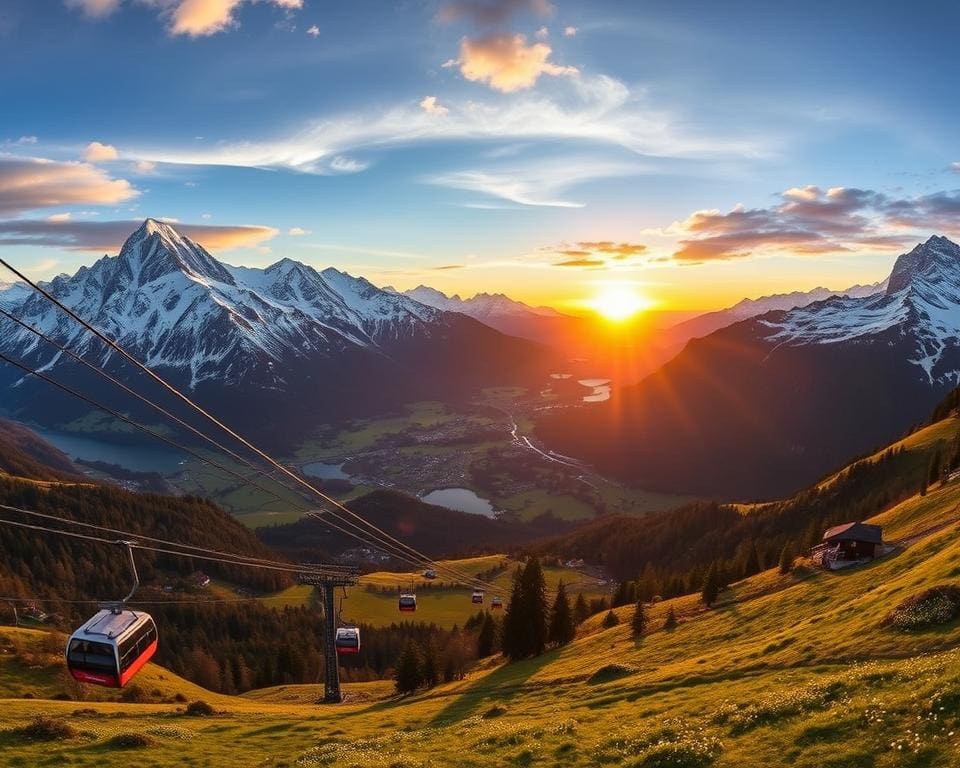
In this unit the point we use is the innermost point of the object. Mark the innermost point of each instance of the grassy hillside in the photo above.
(789, 669)
(374, 600)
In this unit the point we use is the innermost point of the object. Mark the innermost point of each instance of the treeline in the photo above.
(669, 552)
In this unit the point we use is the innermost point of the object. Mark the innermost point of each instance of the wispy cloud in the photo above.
(298, 232)
(534, 184)
(108, 236)
(28, 183)
(596, 110)
(596, 253)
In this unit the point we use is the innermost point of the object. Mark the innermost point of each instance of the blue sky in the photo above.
(698, 151)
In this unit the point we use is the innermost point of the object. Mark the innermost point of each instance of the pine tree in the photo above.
(711, 587)
(486, 638)
(610, 620)
(671, 621)
(786, 559)
(409, 674)
(933, 472)
(581, 611)
(430, 670)
(752, 565)
(511, 635)
(535, 597)
(639, 621)
(562, 629)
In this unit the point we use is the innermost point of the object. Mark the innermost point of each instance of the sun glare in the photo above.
(619, 302)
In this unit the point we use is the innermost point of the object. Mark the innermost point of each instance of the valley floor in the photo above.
(798, 669)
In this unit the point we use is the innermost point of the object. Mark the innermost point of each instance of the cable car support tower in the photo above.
(328, 583)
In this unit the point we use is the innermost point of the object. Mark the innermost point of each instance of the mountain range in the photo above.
(767, 405)
(305, 346)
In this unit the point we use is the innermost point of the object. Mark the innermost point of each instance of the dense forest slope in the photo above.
(24, 454)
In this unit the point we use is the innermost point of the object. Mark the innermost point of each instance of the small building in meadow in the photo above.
(849, 544)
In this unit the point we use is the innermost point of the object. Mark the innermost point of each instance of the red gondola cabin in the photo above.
(347, 640)
(111, 648)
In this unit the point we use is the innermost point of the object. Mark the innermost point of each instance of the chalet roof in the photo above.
(872, 534)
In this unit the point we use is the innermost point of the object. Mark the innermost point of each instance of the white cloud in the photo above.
(570, 31)
(23, 141)
(27, 183)
(534, 184)
(595, 110)
(543, 33)
(145, 167)
(59, 217)
(100, 153)
(431, 106)
(298, 231)
(313, 31)
(506, 63)
(95, 9)
(341, 164)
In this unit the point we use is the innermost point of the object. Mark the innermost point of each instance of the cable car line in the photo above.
(160, 409)
(116, 382)
(130, 534)
(288, 568)
(179, 446)
(143, 428)
(173, 390)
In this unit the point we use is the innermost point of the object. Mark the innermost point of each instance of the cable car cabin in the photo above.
(477, 597)
(429, 574)
(111, 648)
(347, 640)
(408, 603)
(496, 603)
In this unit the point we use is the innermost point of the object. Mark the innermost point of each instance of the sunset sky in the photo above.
(698, 152)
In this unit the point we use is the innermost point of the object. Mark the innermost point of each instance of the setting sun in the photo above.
(619, 302)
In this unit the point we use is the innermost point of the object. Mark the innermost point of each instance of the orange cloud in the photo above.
(506, 63)
(616, 250)
(27, 183)
(100, 153)
(106, 236)
(581, 263)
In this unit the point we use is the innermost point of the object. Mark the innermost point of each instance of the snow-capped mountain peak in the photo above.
(934, 265)
(156, 249)
(920, 309)
(481, 306)
(170, 302)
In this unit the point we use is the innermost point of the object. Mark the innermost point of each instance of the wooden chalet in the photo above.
(849, 544)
